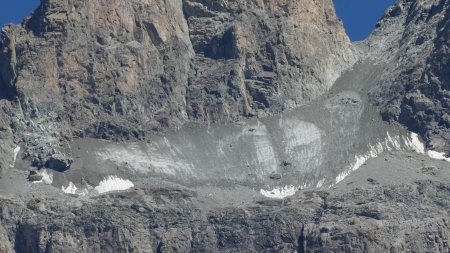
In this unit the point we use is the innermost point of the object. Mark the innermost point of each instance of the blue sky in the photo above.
(13, 11)
(359, 16)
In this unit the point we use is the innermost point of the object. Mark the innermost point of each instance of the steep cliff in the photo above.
(255, 57)
(97, 66)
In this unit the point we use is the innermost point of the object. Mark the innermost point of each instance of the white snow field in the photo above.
(16, 152)
(113, 183)
(437, 155)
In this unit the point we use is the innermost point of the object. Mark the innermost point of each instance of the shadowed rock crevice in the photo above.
(301, 241)
(223, 46)
(8, 61)
(26, 240)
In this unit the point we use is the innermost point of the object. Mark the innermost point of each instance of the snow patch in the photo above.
(113, 183)
(437, 155)
(320, 183)
(281, 192)
(415, 144)
(73, 189)
(70, 189)
(289, 190)
(47, 178)
(108, 184)
(16, 152)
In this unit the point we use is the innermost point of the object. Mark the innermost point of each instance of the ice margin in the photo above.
(411, 142)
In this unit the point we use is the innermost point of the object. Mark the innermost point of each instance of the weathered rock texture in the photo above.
(100, 68)
(412, 39)
(261, 56)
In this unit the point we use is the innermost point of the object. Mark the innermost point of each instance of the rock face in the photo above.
(107, 66)
(412, 39)
(126, 67)
(254, 57)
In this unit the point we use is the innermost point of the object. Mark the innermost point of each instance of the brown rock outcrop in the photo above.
(117, 69)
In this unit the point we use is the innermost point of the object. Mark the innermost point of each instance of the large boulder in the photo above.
(59, 162)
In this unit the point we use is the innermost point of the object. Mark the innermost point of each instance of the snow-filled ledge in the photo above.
(289, 190)
(113, 183)
(390, 143)
(281, 192)
(438, 155)
(108, 184)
